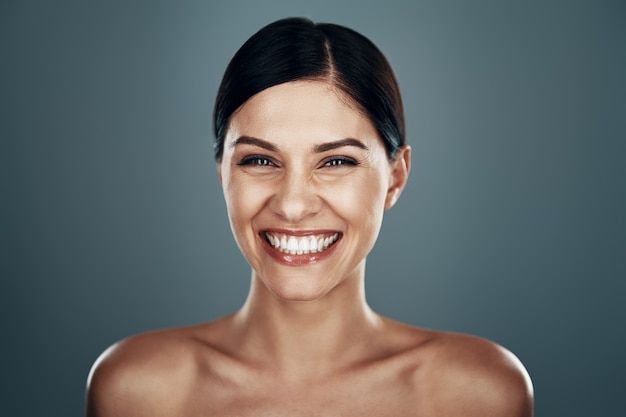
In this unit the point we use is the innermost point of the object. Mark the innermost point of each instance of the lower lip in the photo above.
(297, 260)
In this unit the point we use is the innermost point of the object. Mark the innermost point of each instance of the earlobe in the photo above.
(400, 169)
(392, 197)
(219, 172)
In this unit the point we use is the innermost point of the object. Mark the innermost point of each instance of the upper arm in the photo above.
(113, 385)
(132, 378)
(501, 390)
(512, 385)
(475, 377)
(103, 385)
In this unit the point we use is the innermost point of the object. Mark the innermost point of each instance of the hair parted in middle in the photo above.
(294, 49)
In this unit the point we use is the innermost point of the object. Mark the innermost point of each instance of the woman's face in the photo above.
(306, 181)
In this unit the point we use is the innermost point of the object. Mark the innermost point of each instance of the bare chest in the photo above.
(357, 395)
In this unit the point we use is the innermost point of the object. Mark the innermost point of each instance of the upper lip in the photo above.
(307, 232)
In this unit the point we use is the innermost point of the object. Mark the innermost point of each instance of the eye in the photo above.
(256, 160)
(339, 161)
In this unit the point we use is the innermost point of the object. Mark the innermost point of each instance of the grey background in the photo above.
(511, 227)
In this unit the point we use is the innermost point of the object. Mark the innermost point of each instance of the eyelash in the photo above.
(256, 160)
(332, 162)
(339, 161)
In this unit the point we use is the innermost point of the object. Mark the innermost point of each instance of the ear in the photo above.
(219, 172)
(400, 169)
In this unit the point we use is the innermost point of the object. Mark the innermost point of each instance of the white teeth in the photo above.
(303, 246)
(300, 246)
(292, 245)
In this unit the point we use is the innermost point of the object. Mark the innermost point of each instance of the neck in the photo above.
(305, 338)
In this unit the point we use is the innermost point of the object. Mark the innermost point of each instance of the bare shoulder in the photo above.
(145, 374)
(470, 376)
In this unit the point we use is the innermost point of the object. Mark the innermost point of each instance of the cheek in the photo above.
(360, 200)
(243, 202)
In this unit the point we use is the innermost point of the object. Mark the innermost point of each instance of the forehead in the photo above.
(312, 111)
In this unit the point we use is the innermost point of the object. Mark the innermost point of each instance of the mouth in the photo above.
(301, 245)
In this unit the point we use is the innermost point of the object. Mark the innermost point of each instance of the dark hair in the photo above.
(296, 49)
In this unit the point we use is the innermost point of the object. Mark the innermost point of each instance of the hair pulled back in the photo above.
(297, 49)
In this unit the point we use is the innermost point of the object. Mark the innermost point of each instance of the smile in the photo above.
(301, 245)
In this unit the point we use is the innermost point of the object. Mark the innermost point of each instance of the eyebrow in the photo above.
(323, 147)
(247, 140)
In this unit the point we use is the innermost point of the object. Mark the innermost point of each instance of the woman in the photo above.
(311, 151)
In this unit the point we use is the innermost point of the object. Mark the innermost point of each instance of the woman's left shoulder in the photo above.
(469, 376)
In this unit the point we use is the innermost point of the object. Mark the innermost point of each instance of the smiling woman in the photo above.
(311, 178)
(311, 152)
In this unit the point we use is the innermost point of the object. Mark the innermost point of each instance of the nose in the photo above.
(296, 198)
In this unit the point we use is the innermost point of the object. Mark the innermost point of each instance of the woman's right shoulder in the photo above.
(138, 353)
(143, 373)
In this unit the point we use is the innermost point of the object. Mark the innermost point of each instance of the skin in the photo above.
(305, 343)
